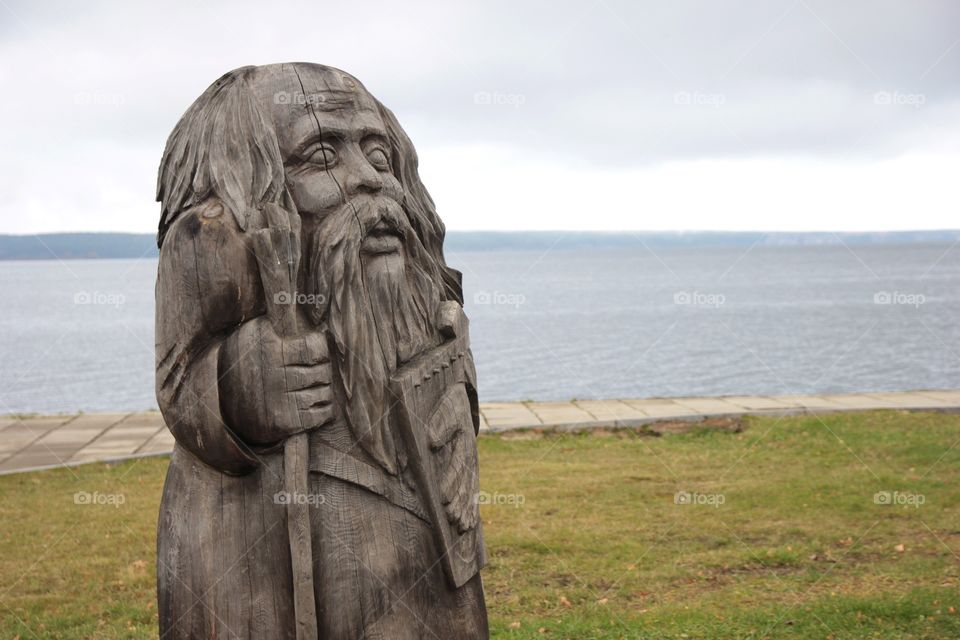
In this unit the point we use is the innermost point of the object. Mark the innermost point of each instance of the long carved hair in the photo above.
(225, 146)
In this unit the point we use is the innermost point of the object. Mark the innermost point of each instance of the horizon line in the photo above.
(596, 231)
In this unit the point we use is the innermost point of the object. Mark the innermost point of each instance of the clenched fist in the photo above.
(271, 386)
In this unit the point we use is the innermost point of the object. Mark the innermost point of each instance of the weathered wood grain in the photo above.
(313, 364)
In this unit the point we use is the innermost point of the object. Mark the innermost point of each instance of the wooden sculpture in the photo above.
(313, 363)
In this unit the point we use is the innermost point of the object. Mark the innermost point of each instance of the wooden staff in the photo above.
(278, 255)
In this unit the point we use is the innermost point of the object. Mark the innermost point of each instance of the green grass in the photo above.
(585, 538)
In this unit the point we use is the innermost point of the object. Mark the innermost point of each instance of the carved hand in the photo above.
(271, 386)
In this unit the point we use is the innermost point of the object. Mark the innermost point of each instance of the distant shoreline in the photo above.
(86, 246)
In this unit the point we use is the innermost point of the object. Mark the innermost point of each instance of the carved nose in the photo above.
(364, 179)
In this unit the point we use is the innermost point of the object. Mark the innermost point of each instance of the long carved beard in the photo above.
(378, 309)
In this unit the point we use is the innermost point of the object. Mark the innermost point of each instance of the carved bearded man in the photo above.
(313, 365)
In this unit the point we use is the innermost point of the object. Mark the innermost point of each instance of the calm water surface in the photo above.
(78, 335)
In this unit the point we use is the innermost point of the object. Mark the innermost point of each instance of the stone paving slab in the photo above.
(922, 399)
(551, 413)
(31, 442)
(116, 443)
(714, 406)
(7, 422)
(499, 414)
(818, 403)
(162, 442)
(857, 401)
(609, 410)
(20, 434)
(59, 444)
(662, 408)
(760, 403)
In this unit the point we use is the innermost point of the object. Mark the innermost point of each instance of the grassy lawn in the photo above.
(779, 534)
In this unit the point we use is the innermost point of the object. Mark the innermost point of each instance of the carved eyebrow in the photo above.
(360, 133)
(366, 131)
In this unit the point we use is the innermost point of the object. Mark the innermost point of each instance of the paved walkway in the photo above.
(29, 443)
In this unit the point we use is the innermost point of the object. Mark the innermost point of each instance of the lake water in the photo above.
(78, 335)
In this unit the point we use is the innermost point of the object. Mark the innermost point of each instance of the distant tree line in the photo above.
(78, 246)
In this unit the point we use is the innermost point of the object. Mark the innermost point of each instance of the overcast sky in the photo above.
(764, 115)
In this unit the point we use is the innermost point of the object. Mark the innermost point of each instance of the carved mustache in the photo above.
(378, 215)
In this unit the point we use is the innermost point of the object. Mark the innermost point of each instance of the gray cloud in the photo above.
(92, 90)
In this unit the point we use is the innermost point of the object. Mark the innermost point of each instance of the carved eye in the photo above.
(322, 154)
(378, 157)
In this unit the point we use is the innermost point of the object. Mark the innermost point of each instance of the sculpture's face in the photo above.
(335, 149)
